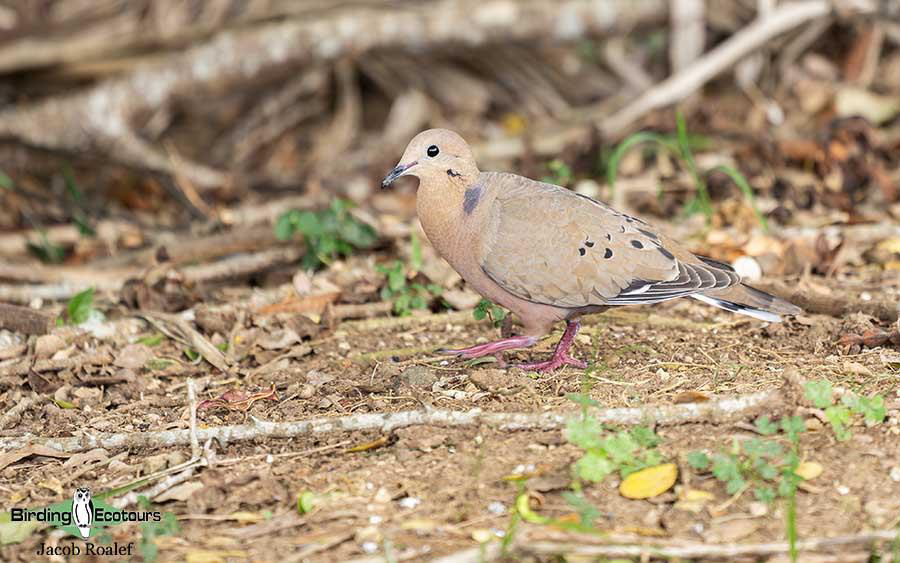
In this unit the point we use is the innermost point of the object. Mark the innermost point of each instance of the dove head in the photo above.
(436, 156)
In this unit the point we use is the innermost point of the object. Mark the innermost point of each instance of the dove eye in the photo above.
(432, 151)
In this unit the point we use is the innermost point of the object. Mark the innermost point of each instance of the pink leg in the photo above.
(492, 348)
(561, 355)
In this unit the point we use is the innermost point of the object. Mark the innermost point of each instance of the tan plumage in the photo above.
(548, 254)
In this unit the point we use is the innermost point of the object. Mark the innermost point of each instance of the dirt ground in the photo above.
(425, 491)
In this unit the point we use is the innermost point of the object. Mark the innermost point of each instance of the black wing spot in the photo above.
(589, 244)
(453, 173)
(622, 229)
(608, 236)
(581, 251)
(637, 244)
(608, 253)
(665, 253)
(649, 234)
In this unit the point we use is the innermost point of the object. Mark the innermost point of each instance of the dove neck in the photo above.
(452, 213)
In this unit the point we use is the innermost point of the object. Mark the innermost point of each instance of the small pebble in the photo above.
(842, 489)
(497, 508)
(410, 502)
(369, 546)
(895, 474)
(375, 519)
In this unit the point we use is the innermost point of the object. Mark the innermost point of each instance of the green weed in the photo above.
(625, 451)
(405, 294)
(45, 249)
(763, 464)
(79, 308)
(841, 416)
(151, 530)
(560, 173)
(487, 309)
(681, 146)
(328, 233)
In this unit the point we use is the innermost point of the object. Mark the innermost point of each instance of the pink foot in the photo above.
(561, 355)
(491, 348)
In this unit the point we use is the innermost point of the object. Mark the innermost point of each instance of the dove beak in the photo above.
(399, 170)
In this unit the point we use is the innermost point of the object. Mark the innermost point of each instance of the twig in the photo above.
(100, 118)
(25, 365)
(192, 405)
(155, 490)
(179, 329)
(13, 415)
(831, 304)
(24, 319)
(699, 550)
(682, 84)
(724, 410)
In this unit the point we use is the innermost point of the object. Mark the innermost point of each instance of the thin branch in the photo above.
(786, 17)
(700, 550)
(728, 409)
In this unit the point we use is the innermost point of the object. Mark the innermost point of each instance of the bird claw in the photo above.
(552, 364)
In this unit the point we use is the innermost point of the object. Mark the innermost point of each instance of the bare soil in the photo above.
(421, 492)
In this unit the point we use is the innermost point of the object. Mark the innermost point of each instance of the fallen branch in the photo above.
(100, 118)
(14, 415)
(22, 367)
(832, 304)
(723, 410)
(698, 550)
(24, 319)
(784, 18)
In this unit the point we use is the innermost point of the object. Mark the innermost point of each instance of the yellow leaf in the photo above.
(514, 124)
(890, 245)
(524, 509)
(245, 516)
(369, 445)
(809, 470)
(649, 482)
(693, 500)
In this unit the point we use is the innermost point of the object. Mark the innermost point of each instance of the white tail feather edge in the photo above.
(738, 308)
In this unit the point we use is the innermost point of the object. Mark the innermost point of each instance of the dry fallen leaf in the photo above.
(238, 400)
(693, 500)
(179, 492)
(809, 470)
(649, 482)
(690, 397)
(878, 109)
(369, 445)
(16, 455)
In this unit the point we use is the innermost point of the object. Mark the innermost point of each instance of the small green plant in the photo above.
(405, 294)
(167, 526)
(681, 147)
(560, 173)
(841, 416)
(759, 462)
(45, 249)
(79, 308)
(79, 216)
(487, 309)
(6, 182)
(625, 451)
(329, 233)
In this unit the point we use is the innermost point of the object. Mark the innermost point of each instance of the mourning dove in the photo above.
(549, 254)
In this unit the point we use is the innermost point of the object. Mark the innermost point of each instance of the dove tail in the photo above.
(749, 301)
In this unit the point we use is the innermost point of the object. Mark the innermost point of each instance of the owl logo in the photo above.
(83, 511)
